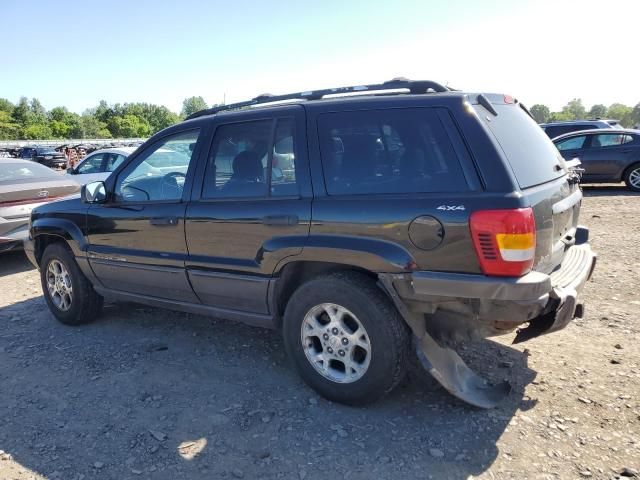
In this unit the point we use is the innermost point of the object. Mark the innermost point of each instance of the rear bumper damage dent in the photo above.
(444, 364)
(444, 309)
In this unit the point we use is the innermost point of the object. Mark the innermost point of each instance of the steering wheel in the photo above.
(170, 181)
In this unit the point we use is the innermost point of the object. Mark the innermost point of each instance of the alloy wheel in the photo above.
(59, 285)
(335, 343)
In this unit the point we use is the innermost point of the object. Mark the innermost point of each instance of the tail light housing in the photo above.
(505, 241)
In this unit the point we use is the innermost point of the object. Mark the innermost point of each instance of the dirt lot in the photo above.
(146, 393)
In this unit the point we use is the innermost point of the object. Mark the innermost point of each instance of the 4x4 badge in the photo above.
(449, 208)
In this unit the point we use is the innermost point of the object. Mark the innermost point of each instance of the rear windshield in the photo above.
(11, 172)
(533, 157)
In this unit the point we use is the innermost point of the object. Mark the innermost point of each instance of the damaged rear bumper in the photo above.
(461, 307)
(443, 309)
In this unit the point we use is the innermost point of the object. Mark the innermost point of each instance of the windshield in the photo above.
(10, 172)
(533, 157)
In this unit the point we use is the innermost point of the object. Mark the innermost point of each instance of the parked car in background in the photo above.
(555, 129)
(606, 156)
(99, 164)
(23, 186)
(350, 223)
(27, 153)
(49, 157)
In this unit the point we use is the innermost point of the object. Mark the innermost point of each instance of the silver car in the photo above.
(23, 186)
(99, 165)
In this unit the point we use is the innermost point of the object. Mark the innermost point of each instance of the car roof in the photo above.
(342, 103)
(599, 131)
(123, 150)
(573, 122)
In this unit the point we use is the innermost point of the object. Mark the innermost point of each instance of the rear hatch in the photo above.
(546, 182)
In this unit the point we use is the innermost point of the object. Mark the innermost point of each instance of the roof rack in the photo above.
(414, 86)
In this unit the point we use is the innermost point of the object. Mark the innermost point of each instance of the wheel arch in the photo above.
(45, 231)
(296, 273)
(628, 168)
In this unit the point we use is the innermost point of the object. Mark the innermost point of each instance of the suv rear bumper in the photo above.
(459, 307)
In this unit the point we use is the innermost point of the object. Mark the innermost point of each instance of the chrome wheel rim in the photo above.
(335, 343)
(634, 177)
(59, 285)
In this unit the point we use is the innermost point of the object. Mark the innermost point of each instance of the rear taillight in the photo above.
(505, 241)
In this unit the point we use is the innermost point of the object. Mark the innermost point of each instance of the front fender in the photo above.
(60, 227)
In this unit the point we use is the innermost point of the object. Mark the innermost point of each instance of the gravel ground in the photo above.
(148, 393)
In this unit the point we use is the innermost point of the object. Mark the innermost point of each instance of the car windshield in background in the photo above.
(12, 172)
(532, 156)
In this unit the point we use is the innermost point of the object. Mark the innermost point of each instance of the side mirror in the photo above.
(94, 192)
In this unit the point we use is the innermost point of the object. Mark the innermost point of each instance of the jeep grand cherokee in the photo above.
(408, 213)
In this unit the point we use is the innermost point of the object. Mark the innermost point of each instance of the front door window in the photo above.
(158, 174)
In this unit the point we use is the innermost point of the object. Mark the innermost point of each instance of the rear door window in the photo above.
(388, 151)
(610, 140)
(533, 157)
(252, 159)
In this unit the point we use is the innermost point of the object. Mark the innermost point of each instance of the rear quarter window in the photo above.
(533, 157)
(388, 152)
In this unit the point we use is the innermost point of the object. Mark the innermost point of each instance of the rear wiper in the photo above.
(484, 101)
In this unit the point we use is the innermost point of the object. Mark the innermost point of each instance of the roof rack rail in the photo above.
(414, 86)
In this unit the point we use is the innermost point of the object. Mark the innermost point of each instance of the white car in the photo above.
(99, 164)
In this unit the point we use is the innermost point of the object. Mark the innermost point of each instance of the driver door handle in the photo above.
(164, 221)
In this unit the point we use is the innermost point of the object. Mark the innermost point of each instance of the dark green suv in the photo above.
(362, 221)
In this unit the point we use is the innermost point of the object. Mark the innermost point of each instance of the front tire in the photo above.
(346, 338)
(69, 295)
(632, 178)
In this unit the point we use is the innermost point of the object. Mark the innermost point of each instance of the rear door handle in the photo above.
(280, 220)
(164, 221)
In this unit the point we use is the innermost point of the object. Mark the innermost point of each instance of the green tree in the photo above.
(39, 113)
(160, 117)
(574, 109)
(540, 112)
(6, 106)
(621, 112)
(598, 111)
(9, 130)
(90, 127)
(129, 126)
(192, 105)
(635, 116)
(37, 131)
(59, 129)
(22, 113)
(560, 116)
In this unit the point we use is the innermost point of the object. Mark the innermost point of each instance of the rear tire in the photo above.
(346, 338)
(632, 177)
(69, 295)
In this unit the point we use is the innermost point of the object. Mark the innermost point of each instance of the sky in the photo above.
(75, 53)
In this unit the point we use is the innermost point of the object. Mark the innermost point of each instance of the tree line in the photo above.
(29, 120)
(628, 116)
